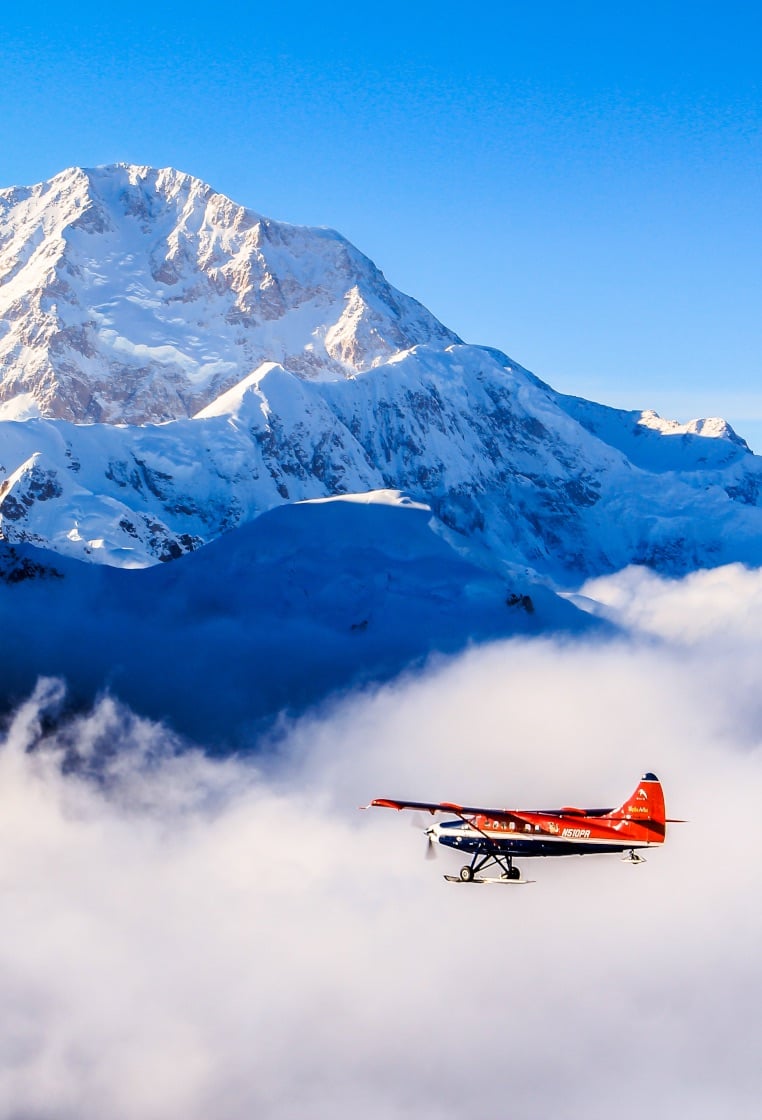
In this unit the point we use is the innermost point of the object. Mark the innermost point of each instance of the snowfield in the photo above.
(528, 478)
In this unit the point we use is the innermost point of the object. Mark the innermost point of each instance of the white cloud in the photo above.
(719, 605)
(190, 938)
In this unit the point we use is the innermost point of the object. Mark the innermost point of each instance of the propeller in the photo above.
(419, 823)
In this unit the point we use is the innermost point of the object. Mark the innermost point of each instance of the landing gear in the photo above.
(472, 872)
(633, 857)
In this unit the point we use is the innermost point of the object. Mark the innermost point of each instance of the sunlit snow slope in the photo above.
(526, 477)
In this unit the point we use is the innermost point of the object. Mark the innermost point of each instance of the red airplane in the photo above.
(494, 836)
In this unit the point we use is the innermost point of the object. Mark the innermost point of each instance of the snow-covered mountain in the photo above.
(129, 294)
(181, 375)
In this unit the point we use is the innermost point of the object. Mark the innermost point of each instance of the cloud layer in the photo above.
(190, 937)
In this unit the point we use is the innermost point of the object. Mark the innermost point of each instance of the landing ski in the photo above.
(482, 879)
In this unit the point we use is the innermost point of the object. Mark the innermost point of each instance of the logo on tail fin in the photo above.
(643, 816)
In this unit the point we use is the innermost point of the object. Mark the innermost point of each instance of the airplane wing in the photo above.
(448, 807)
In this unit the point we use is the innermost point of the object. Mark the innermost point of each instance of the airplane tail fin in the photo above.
(642, 818)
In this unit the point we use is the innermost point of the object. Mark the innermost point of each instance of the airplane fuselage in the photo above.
(540, 835)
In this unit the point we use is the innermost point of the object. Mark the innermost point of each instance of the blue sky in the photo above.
(577, 184)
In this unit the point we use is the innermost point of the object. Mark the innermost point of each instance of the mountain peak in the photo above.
(132, 294)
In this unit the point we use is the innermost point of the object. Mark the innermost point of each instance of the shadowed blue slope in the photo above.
(306, 600)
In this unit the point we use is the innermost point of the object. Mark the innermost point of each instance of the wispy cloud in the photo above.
(185, 937)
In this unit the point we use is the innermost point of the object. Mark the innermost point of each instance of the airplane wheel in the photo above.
(466, 873)
(514, 873)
